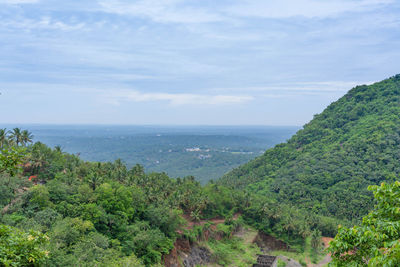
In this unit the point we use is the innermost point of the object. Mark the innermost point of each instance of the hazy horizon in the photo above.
(144, 125)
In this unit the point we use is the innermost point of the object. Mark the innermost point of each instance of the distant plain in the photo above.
(206, 152)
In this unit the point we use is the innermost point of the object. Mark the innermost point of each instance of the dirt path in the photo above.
(327, 258)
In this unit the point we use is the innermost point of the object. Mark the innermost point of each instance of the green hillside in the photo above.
(58, 210)
(327, 166)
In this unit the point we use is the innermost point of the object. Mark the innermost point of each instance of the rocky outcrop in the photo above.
(186, 255)
(197, 256)
(270, 243)
(289, 262)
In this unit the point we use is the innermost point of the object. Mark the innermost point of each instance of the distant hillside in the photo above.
(327, 166)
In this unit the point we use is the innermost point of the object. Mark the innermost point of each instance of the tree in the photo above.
(16, 136)
(11, 159)
(3, 137)
(26, 137)
(18, 248)
(147, 243)
(376, 242)
(94, 180)
(58, 148)
(195, 215)
(119, 170)
(39, 197)
(316, 240)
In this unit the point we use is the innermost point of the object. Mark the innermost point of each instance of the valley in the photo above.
(335, 180)
(179, 133)
(205, 152)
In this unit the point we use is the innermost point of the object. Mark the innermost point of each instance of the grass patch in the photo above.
(237, 251)
(303, 254)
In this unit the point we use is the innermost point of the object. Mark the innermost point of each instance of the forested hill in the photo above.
(327, 166)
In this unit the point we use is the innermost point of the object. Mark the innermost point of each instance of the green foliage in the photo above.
(302, 263)
(103, 214)
(226, 230)
(353, 143)
(11, 159)
(281, 263)
(167, 220)
(69, 231)
(222, 254)
(316, 240)
(234, 251)
(39, 197)
(18, 248)
(376, 241)
(147, 243)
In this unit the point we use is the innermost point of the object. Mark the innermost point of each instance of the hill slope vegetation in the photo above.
(327, 166)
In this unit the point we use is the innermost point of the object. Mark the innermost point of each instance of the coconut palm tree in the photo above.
(26, 137)
(16, 136)
(119, 170)
(58, 148)
(94, 180)
(195, 216)
(3, 137)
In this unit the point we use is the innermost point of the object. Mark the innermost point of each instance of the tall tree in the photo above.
(3, 137)
(120, 171)
(26, 137)
(58, 148)
(16, 136)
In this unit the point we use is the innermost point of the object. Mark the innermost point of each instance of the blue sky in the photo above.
(270, 62)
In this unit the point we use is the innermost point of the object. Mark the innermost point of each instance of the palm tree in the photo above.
(119, 170)
(137, 170)
(94, 180)
(3, 137)
(58, 148)
(26, 137)
(195, 216)
(38, 162)
(16, 136)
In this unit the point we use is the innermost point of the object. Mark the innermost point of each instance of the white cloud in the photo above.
(116, 97)
(164, 11)
(17, 2)
(46, 23)
(304, 8)
(179, 11)
(293, 89)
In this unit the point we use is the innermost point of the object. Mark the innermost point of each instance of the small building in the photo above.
(265, 261)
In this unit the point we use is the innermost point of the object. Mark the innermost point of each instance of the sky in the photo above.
(184, 62)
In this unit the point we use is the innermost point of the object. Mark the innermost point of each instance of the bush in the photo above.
(18, 248)
(221, 254)
(226, 230)
(281, 263)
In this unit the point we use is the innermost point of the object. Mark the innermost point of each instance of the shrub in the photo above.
(18, 248)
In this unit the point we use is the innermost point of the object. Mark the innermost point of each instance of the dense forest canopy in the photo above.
(104, 214)
(57, 210)
(327, 166)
